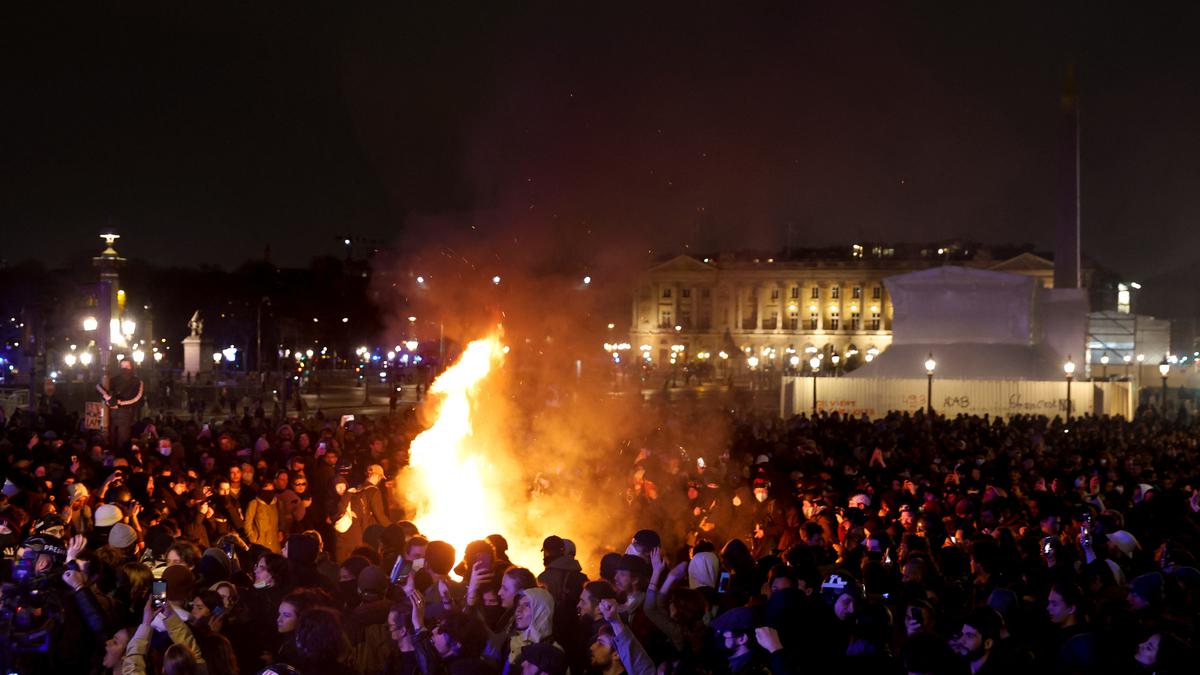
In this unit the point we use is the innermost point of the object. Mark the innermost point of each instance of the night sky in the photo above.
(205, 131)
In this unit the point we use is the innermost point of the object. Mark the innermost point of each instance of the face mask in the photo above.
(165, 450)
(261, 584)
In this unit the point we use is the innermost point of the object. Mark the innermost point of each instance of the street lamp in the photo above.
(1164, 369)
(139, 356)
(815, 364)
(836, 358)
(1069, 371)
(930, 365)
(90, 324)
(1104, 364)
(85, 358)
(69, 359)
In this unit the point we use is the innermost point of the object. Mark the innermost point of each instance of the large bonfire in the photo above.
(452, 481)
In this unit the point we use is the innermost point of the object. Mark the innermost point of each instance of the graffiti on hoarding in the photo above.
(957, 402)
(1015, 402)
(845, 407)
(913, 401)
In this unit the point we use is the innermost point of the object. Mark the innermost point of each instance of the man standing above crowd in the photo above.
(124, 396)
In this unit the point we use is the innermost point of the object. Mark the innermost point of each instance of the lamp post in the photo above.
(836, 359)
(815, 364)
(930, 365)
(1069, 371)
(1104, 367)
(1164, 369)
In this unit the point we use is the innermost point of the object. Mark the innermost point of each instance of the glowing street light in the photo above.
(420, 280)
(587, 281)
(139, 356)
(1164, 369)
(1069, 371)
(815, 364)
(90, 324)
(411, 345)
(69, 359)
(85, 358)
(127, 327)
(158, 356)
(216, 357)
(930, 365)
(496, 280)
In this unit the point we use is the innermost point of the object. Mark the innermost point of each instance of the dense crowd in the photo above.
(905, 544)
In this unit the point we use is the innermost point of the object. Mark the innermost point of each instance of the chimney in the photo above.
(1066, 239)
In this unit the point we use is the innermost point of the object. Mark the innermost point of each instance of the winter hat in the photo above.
(1125, 542)
(10, 489)
(553, 545)
(568, 548)
(122, 536)
(737, 620)
(860, 501)
(439, 557)
(608, 565)
(108, 515)
(372, 580)
(1149, 587)
(214, 566)
(180, 582)
(837, 584)
(302, 549)
(76, 491)
(703, 570)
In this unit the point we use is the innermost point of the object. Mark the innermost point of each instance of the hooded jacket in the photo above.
(262, 524)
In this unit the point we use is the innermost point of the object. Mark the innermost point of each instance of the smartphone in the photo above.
(1047, 545)
(346, 418)
(401, 570)
(159, 592)
(723, 584)
(484, 560)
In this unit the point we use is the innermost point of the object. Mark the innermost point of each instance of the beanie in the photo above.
(214, 566)
(122, 536)
(180, 582)
(372, 580)
(1125, 542)
(107, 515)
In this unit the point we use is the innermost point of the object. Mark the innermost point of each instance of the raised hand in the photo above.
(77, 543)
(657, 562)
(609, 610)
(768, 639)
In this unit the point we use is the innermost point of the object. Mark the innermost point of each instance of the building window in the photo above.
(685, 293)
(665, 319)
(795, 292)
(816, 293)
(877, 293)
(834, 320)
(856, 293)
(814, 320)
(705, 293)
(774, 293)
(666, 292)
(874, 321)
(855, 321)
(835, 292)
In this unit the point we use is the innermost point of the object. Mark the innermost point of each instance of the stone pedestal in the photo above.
(197, 355)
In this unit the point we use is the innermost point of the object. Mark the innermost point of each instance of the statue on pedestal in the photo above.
(196, 324)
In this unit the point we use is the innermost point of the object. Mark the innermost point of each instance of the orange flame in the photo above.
(446, 479)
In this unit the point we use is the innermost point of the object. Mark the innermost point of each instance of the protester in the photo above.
(964, 544)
